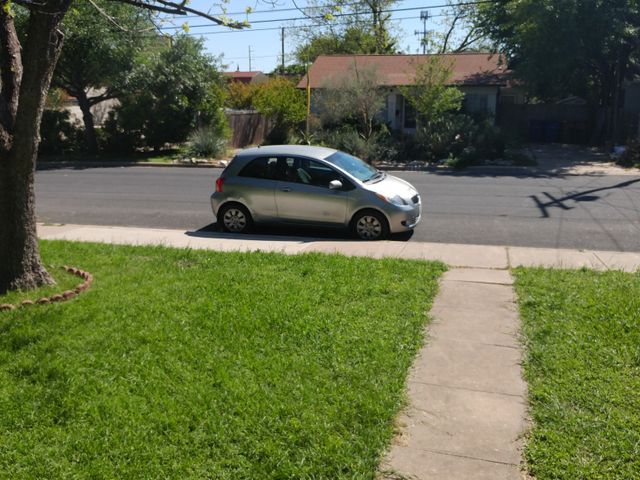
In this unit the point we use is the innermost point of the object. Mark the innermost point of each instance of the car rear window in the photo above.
(262, 167)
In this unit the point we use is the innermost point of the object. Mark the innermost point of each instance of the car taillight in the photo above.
(219, 182)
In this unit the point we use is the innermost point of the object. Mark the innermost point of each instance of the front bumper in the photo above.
(403, 218)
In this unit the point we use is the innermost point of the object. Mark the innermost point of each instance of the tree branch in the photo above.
(109, 18)
(107, 95)
(166, 6)
(445, 42)
(469, 40)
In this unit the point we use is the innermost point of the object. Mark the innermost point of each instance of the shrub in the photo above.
(445, 136)
(167, 97)
(240, 95)
(458, 136)
(206, 142)
(348, 139)
(121, 134)
(489, 140)
(58, 134)
(431, 93)
(631, 155)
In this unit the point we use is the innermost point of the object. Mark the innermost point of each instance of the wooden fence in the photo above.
(548, 122)
(248, 127)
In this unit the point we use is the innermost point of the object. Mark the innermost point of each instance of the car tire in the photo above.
(235, 218)
(370, 225)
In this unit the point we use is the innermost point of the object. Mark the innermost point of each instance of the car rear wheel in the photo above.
(235, 218)
(370, 225)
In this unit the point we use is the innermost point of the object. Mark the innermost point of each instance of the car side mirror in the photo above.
(335, 185)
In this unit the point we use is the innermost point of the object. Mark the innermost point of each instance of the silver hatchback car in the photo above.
(304, 185)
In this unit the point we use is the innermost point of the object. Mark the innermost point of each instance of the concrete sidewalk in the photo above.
(467, 399)
(454, 255)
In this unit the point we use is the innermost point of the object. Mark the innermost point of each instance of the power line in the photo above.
(292, 9)
(319, 17)
(289, 27)
(317, 7)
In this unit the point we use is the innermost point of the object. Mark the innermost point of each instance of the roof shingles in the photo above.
(480, 69)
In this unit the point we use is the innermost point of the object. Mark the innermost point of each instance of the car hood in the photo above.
(391, 186)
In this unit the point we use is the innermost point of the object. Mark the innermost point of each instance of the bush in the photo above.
(206, 142)
(631, 155)
(489, 141)
(119, 134)
(58, 134)
(447, 136)
(458, 136)
(280, 101)
(348, 139)
(169, 96)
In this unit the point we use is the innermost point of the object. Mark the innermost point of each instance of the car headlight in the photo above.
(395, 200)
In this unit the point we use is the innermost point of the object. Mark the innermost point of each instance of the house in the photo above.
(482, 77)
(245, 77)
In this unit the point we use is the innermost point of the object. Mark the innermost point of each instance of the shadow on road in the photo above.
(288, 233)
(576, 197)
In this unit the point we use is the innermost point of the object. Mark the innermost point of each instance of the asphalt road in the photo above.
(590, 212)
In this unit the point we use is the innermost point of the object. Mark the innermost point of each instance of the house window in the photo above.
(476, 103)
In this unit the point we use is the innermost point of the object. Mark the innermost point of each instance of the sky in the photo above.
(265, 45)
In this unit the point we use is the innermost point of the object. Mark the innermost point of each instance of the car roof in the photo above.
(303, 150)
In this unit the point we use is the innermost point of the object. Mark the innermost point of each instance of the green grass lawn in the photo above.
(582, 332)
(183, 364)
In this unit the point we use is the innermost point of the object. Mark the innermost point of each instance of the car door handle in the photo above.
(286, 189)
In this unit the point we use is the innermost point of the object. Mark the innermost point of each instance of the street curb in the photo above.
(53, 165)
(433, 169)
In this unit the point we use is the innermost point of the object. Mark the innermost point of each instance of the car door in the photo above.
(303, 194)
(255, 185)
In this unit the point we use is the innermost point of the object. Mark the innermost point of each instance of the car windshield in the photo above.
(352, 165)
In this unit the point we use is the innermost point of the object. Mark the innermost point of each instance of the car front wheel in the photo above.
(235, 218)
(370, 225)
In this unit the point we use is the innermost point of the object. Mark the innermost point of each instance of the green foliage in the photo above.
(356, 97)
(240, 95)
(350, 41)
(349, 140)
(58, 134)
(582, 364)
(294, 70)
(569, 47)
(631, 155)
(365, 28)
(190, 364)
(206, 142)
(96, 53)
(459, 139)
(280, 100)
(170, 95)
(431, 95)
(98, 57)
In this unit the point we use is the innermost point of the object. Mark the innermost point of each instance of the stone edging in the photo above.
(61, 297)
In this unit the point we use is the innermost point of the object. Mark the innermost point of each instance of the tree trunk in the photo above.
(20, 263)
(87, 118)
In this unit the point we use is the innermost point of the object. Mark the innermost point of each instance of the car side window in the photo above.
(287, 169)
(310, 172)
(261, 167)
(314, 173)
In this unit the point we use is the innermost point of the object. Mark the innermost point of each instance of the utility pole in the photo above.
(282, 38)
(424, 16)
(249, 57)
